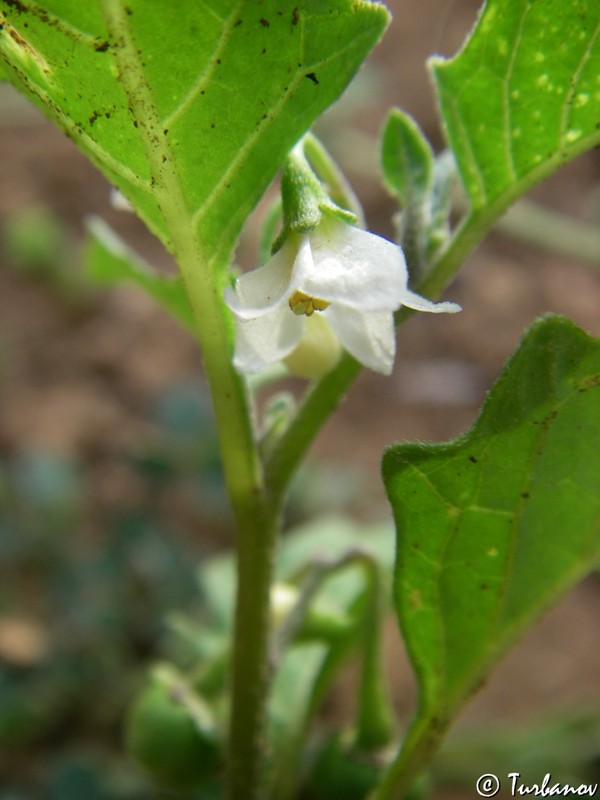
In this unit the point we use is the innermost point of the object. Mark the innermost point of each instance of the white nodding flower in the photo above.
(353, 280)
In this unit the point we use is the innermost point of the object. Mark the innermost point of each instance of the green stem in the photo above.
(294, 443)
(422, 740)
(286, 778)
(251, 659)
(255, 516)
(375, 726)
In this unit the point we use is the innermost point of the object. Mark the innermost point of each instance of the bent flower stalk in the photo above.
(335, 284)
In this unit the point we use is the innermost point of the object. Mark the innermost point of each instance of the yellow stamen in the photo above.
(301, 303)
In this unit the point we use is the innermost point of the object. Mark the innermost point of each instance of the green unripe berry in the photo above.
(169, 733)
(342, 773)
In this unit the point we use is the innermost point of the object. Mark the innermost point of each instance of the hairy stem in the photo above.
(251, 666)
(255, 516)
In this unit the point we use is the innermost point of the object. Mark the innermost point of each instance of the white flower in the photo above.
(353, 279)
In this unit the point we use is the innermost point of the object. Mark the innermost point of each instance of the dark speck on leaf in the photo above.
(164, 158)
(312, 77)
(101, 47)
(265, 23)
(472, 459)
(238, 23)
(212, 124)
(295, 16)
(524, 495)
(135, 123)
(263, 51)
(166, 130)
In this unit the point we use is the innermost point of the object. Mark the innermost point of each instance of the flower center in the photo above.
(301, 303)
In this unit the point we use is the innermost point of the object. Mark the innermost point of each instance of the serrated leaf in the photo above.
(522, 97)
(406, 158)
(108, 260)
(493, 527)
(188, 107)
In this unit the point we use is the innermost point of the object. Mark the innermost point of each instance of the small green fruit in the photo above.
(169, 732)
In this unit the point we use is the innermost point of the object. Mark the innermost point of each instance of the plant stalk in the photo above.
(250, 664)
(375, 724)
(422, 740)
(204, 273)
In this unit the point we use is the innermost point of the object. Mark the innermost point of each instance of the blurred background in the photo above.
(110, 487)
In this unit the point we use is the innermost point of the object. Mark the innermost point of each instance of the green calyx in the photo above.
(304, 198)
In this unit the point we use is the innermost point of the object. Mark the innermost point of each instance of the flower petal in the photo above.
(369, 337)
(267, 339)
(353, 267)
(258, 292)
(419, 303)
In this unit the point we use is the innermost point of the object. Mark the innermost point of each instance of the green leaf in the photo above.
(493, 527)
(188, 107)
(406, 158)
(108, 260)
(291, 695)
(410, 173)
(522, 97)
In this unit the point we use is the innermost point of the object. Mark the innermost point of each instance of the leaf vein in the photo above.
(271, 116)
(75, 132)
(469, 151)
(506, 98)
(207, 73)
(573, 87)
